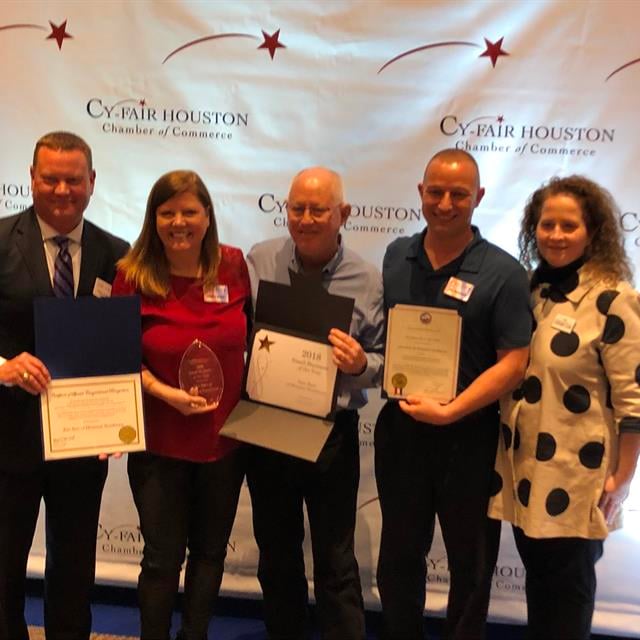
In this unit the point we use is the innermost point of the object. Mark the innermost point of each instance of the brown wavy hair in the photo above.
(605, 255)
(146, 265)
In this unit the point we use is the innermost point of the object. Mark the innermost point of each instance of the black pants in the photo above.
(72, 490)
(421, 471)
(560, 585)
(183, 505)
(279, 484)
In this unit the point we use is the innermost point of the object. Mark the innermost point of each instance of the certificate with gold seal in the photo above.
(291, 372)
(92, 349)
(422, 352)
(88, 416)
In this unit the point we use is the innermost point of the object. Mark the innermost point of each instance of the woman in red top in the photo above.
(186, 484)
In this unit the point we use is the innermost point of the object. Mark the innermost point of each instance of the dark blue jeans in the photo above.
(279, 485)
(183, 505)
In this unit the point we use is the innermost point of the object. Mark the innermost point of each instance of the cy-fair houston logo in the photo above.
(496, 134)
(135, 117)
(127, 540)
(378, 219)
(630, 223)
(14, 196)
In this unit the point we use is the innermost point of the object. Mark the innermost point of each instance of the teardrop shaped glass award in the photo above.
(200, 373)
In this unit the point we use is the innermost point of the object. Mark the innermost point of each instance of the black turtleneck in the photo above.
(562, 280)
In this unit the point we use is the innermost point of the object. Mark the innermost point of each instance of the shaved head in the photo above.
(453, 156)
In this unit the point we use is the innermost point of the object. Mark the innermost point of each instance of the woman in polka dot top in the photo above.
(571, 432)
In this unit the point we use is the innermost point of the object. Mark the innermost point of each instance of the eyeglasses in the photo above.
(298, 210)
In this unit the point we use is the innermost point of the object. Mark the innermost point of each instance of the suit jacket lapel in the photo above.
(29, 242)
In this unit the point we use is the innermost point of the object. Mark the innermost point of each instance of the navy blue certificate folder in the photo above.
(84, 337)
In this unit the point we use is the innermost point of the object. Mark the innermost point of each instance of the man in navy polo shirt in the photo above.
(434, 458)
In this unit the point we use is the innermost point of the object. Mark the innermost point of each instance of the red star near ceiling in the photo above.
(271, 42)
(493, 51)
(59, 33)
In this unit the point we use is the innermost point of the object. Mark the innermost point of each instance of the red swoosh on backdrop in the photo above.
(428, 46)
(199, 40)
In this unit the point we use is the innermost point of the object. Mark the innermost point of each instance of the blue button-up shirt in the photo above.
(346, 274)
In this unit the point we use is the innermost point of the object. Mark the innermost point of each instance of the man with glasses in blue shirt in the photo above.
(280, 484)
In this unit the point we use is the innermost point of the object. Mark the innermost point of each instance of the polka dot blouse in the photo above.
(560, 428)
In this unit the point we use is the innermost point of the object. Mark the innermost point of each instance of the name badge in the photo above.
(216, 293)
(458, 289)
(563, 323)
(101, 289)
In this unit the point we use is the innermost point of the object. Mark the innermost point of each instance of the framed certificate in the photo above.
(422, 352)
(291, 372)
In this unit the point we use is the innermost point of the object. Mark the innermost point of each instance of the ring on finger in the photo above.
(26, 376)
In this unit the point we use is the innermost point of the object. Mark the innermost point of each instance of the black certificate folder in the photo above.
(85, 337)
(290, 381)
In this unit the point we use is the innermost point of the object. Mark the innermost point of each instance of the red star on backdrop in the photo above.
(271, 42)
(59, 33)
(500, 119)
(142, 102)
(493, 51)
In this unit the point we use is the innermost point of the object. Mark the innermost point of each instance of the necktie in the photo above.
(63, 269)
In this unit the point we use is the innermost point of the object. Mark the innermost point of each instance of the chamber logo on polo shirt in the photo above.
(499, 135)
(630, 223)
(14, 196)
(136, 117)
(376, 219)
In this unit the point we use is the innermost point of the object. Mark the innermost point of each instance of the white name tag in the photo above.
(101, 289)
(563, 323)
(217, 293)
(458, 289)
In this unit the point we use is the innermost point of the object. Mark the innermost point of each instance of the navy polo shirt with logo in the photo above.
(496, 316)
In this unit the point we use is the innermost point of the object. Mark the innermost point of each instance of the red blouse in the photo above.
(169, 326)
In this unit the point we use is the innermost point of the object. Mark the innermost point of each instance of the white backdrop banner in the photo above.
(247, 93)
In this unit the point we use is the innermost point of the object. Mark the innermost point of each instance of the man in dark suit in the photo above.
(47, 250)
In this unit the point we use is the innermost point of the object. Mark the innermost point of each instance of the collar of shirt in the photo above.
(49, 233)
(328, 269)
(470, 260)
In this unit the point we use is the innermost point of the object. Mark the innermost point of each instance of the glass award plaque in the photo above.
(200, 373)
